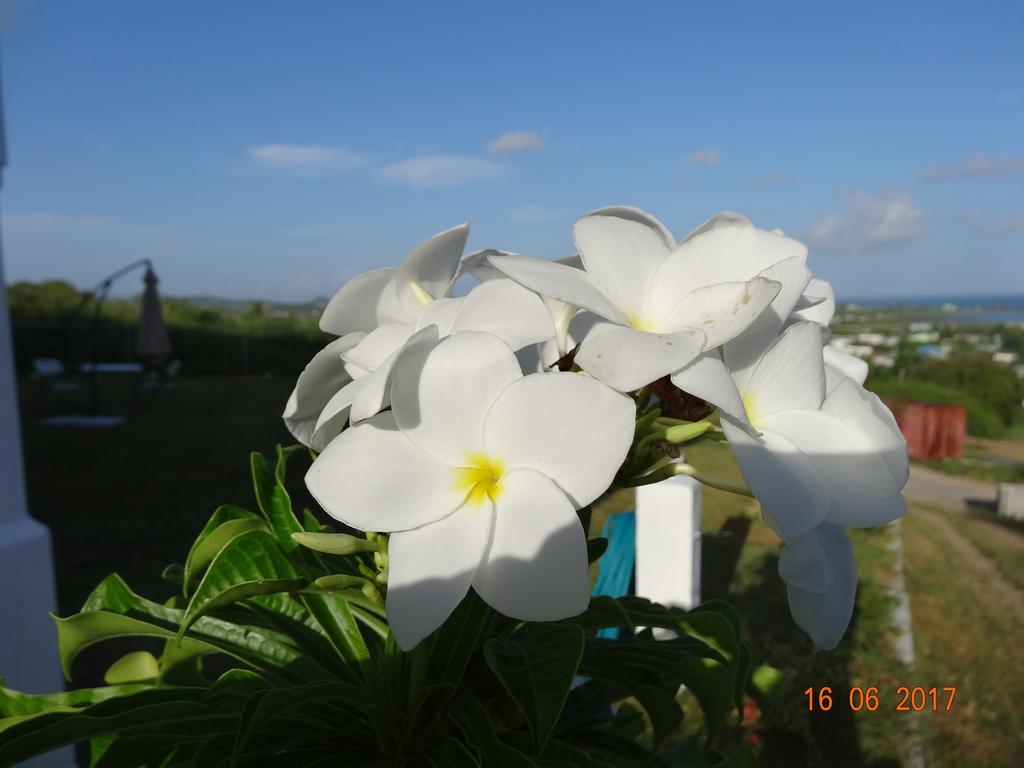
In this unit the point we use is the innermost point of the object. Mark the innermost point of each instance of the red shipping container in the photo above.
(932, 431)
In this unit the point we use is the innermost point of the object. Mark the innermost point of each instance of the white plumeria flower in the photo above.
(818, 305)
(383, 297)
(563, 316)
(807, 457)
(821, 582)
(477, 472)
(379, 312)
(662, 304)
(499, 307)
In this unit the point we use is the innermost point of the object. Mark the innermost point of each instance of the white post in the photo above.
(28, 639)
(668, 542)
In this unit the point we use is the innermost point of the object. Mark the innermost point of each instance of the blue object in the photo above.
(616, 570)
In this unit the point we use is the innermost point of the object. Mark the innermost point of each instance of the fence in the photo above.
(202, 350)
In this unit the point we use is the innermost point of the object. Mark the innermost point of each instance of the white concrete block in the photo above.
(668, 542)
(1011, 501)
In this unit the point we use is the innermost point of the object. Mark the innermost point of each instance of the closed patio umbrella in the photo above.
(152, 344)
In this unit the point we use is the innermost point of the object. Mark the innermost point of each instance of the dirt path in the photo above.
(948, 491)
(982, 566)
(1007, 449)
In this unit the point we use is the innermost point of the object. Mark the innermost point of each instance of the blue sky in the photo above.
(276, 149)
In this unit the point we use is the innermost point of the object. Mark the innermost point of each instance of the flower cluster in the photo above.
(427, 428)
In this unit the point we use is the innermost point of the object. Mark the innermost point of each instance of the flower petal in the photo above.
(719, 255)
(721, 219)
(478, 265)
(742, 353)
(817, 304)
(334, 416)
(441, 395)
(322, 377)
(559, 281)
(863, 412)
(840, 365)
(373, 478)
(536, 566)
(641, 217)
(781, 477)
(825, 616)
(571, 428)
(803, 564)
(709, 379)
(430, 569)
(790, 375)
(377, 346)
(502, 307)
(440, 313)
(722, 311)
(431, 265)
(374, 392)
(860, 488)
(622, 255)
(362, 304)
(627, 359)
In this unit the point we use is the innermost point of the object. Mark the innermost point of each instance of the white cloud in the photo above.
(434, 171)
(868, 222)
(976, 165)
(309, 160)
(516, 141)
(709, 156)
(531, 212)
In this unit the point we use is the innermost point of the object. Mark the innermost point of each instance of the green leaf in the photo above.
(273, 704)
(205, 550)
(222, 514)
(333, 615)
(588, 705)
(602, 612)
(137, 667)
(113, 610)
(147, 708)
(250, 564)
(766, 686)
(447, 752)
(537, 665)
(311, 524)
(454, 643)
(14, 704)
(173, 573)
(273, 499)
(710, 682)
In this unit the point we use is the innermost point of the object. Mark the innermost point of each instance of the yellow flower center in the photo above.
(421, 294)
(750, 406)
(480, 478)
(642, 323)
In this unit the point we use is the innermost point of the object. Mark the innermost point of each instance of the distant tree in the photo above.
(991, 383)
(49, 299)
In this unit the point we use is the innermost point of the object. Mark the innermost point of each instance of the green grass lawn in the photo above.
(131, 498)
(965, 637)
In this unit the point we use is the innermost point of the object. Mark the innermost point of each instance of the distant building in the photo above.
(1007, 358)
(919, 327)
(883, 361)
(933, 351)
(923, 337)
